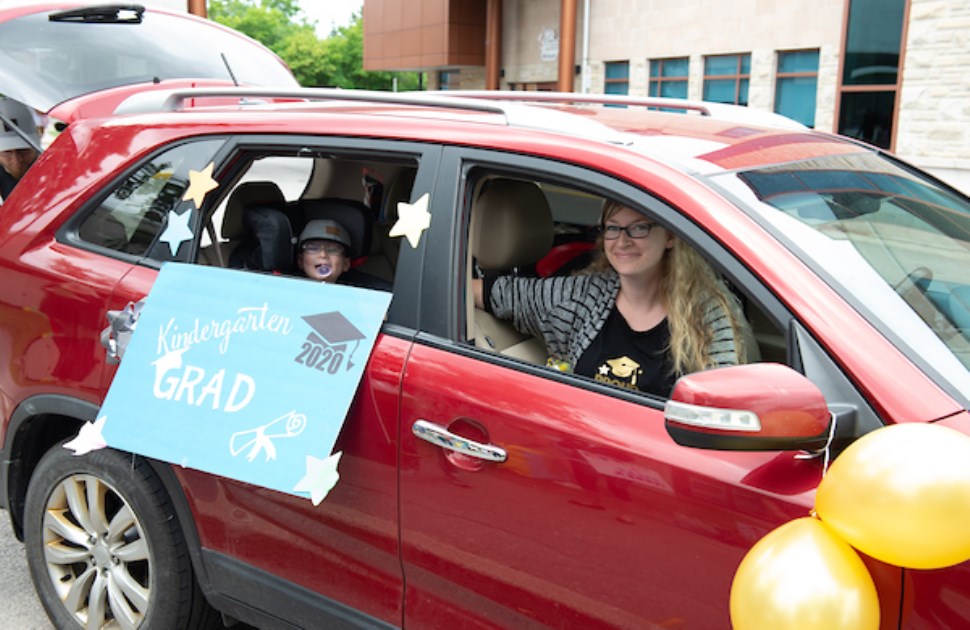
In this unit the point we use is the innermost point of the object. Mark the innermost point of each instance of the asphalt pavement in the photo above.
(19, 607)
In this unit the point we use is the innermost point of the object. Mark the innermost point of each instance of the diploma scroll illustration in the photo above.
(261, 438)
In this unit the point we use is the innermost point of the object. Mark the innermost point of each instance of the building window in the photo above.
(449, 80)
(668, 77)
(726, 78)
(617, 77)
(796, 85)
(870, 70)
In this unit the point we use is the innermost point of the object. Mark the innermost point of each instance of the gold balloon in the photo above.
(801, 576)
(901, 494)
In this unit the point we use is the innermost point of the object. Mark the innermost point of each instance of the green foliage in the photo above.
(337, 61)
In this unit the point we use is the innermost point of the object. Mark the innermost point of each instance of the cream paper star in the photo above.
(177, 230)
(89, 438)
(200, 182)
(321, 476)
(413, 219)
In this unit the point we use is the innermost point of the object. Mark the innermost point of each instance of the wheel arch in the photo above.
(35, 426)
(40, 422)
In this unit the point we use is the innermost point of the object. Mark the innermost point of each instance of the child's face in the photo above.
(323, 260)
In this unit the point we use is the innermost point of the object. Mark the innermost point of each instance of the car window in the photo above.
(71, 57)
(265, 200)
(893, 243)
(510, 237)
(289, 174)
(131, 218)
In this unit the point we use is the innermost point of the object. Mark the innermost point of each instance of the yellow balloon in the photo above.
(901, 494)
(802, 576)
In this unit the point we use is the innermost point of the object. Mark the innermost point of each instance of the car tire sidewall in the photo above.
(171, 582)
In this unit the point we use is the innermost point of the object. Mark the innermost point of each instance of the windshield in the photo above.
(44, 63)
(894, 243)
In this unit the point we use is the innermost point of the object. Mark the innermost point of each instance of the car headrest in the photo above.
(269, 244)
(511, 225)
(354, 216)
(246, 194)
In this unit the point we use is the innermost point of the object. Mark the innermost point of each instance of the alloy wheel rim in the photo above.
(96, 554)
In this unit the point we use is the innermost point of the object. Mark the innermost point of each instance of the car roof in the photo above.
(693, 137)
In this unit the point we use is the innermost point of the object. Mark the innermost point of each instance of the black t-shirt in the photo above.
(626, 358)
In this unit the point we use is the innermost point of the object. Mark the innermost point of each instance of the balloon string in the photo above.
(827, 451)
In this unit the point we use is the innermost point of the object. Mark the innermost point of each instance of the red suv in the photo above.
(851, 267)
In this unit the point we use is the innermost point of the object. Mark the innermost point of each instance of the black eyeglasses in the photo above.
(330, 249)
(637, 230)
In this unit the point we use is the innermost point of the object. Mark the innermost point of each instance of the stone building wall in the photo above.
(933, 130)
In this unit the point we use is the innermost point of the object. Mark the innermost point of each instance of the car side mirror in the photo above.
(757, 407)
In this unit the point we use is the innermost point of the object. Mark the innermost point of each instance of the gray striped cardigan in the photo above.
(567, 312)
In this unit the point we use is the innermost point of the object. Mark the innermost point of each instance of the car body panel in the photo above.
(589, 521)
(346, 548)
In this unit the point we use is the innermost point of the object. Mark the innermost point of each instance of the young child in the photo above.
(324, 250)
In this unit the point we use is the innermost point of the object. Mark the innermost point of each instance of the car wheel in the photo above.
(104, 546)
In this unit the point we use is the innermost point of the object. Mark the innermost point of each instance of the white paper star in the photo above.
(413, 219)
(200, 182)
(89, 438)
(177, 230)
(321, 476)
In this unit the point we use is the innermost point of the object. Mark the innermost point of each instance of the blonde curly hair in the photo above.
(687, 286)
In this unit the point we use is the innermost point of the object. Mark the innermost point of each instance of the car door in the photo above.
(574, 507)
(339, 559)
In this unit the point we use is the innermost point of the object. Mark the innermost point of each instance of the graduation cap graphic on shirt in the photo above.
(335, 331)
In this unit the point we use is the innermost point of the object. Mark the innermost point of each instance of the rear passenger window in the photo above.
(132, 219)
(263, 204)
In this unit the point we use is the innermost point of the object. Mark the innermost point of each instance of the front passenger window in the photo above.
(599, 287)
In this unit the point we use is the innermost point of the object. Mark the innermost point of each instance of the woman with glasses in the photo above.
(647, 311)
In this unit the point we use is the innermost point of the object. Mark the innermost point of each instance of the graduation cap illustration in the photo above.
(334, 330)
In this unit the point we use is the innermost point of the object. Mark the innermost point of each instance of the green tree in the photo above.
(336, 61)
(270, 22)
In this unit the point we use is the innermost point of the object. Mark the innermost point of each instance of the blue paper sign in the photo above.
(243, 375)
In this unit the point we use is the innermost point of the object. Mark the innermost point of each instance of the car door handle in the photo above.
(440, 436)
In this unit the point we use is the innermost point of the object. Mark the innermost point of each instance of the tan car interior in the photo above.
(511, 227)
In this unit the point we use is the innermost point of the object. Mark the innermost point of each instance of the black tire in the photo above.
(104, 546)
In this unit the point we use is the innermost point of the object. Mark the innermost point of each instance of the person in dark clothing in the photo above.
(16, 153)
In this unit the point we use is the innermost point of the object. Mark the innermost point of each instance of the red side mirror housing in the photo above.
(757, 407)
